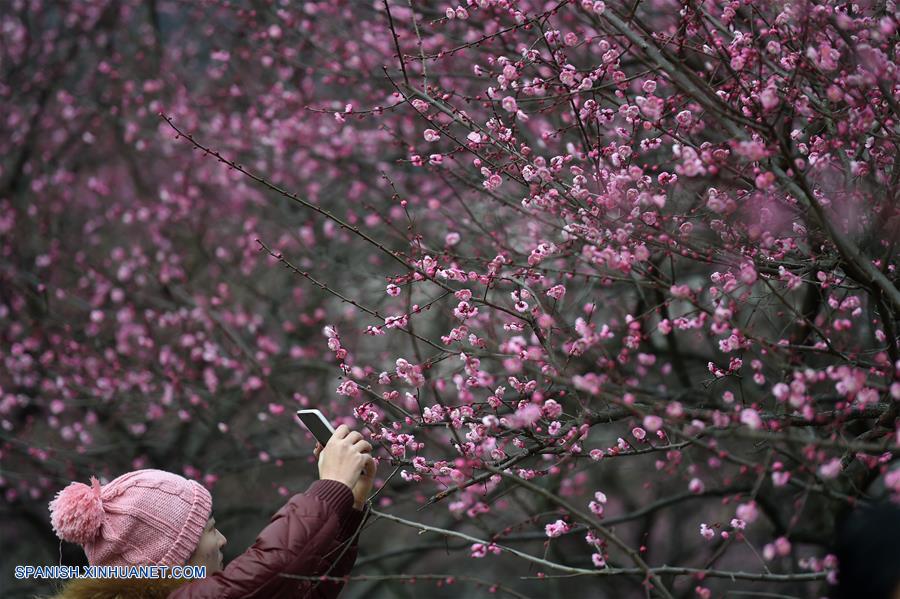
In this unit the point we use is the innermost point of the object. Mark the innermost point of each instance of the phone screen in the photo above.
(315, 422)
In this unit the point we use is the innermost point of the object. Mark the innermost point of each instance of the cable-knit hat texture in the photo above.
(145, 517)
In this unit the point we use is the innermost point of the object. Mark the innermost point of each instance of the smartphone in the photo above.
(317, 424)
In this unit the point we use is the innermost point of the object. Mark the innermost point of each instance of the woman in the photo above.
(151, 517)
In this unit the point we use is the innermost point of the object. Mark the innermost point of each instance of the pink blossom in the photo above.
(551, 409)
(556, 529)
(557, 292)
(479, 550)
(597, 505)
(348, 388)
(747, 512)
(674, 409)
(779, 479)
(527, 415)
(765, 180)
(680, 291)
(781, 391)
(751, 150)
(652, 423)
(769, 98)
(589, 382)
(751, 418)
(396, 322)
(465, 310)
(410, 373)
(831, 468)
(748, 273)
(493, 182)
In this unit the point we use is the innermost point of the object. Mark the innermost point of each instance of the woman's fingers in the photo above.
(341, 432)
(370, 467)
(352, 438)
(363, 446)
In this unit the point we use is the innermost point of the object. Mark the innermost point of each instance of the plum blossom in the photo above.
(652, 423)
(557, 292)
(831, 468)
(464, 310)
(527, 415)
(747, 512)
(479, 550)
(349, 388)
(551, 409)
(751, 418)
(779, 479)
(598, 504)
(556, 529)
(410, 373)
(396, 322)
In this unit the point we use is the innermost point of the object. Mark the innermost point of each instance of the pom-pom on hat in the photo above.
(77, 512)
(145, 517)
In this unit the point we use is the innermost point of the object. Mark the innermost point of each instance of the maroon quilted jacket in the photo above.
(314, 534)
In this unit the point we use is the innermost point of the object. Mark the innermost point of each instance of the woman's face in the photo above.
(208, 552)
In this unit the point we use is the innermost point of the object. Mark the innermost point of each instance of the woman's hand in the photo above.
(345, 458)
(363, 487)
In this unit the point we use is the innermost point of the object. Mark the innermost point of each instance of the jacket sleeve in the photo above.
(340, 558)
(300, 540)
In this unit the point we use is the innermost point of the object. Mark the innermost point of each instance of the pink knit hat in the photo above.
(145, 517)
